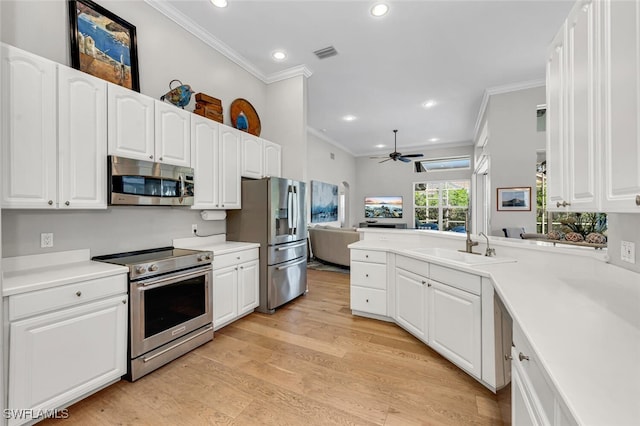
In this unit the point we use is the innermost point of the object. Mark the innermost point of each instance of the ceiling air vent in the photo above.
(326, 52)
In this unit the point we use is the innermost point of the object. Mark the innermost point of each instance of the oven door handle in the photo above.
(164, 351)
(280, 268)
(154, 282)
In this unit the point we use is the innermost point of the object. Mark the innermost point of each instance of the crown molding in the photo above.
(164, 7)
(288, 73)
(497, 90)
(323, 136)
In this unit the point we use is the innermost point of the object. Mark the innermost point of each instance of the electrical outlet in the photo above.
(194, 228)
(628, 251)
(46, 239)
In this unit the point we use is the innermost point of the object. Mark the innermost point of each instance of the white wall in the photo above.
(623, 227)
(397, 178)
(341, 168)
(166, 52)
(513, 143)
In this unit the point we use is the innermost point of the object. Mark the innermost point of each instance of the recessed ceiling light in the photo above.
(428, 104)
(434, 139)
(380, 145)
(219, 3)
(349, 117)
(379, 9)
(279, 55)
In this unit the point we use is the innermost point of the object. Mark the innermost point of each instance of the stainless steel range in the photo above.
(170, 305)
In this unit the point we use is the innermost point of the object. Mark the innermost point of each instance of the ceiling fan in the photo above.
(395, 155)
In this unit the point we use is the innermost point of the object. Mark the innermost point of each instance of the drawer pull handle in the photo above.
(637, 200)
(523, 357)
(78, 293)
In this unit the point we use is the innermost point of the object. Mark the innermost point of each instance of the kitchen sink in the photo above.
(459, 257)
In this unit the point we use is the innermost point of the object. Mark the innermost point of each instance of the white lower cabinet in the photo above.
(369, 282)
(455, 326)
(235, 286)
(58, 357)
(411, 303)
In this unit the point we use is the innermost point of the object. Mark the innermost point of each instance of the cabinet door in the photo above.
(455, 325)
(556, 154)
(130, 123)
(411, 303)
(251, 156)
(28, 130)
(82, 147)
(581, 108)
(225, 296)
(272, 159)
(59, 357)
(204, 153)
(229, 164)
(621, 105)
(522, 412)
(248, 289)
(172, 134)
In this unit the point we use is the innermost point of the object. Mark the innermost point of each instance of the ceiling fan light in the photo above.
(219, 3)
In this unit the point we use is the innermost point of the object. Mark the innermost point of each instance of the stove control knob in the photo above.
(140, 269)
(153, 267)
(204, 257)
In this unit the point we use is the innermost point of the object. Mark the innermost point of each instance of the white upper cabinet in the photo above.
(621, 109)
(216, 156)
(172, 134)
(54, 147)
(582, 118)
(28, 130)
(131, 124)
(82, 136)
(252, 162)
(272, 153)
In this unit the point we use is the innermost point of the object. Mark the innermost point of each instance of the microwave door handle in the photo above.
(182, 189)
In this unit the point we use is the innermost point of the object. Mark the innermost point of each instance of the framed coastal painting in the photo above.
(324, 202)
(103, 44)
(514, 199)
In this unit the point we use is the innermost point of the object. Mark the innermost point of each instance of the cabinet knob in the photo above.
(638, 200)
(366, 255)
(124, 301)
(223, 205)
(366, 275)
(66, 203)
(508, 357)
(160, 158)
(367, 300)
(50, 202)
(423, 282)
(523, 357)
(78, 293)
(151, 157)
(242, 267)
(236, 268)
(562, 204)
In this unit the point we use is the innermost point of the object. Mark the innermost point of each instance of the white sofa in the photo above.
(329, 244)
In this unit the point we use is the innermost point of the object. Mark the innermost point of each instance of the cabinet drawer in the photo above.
(369, 300)
(533, 372)
(37, 302)
(369, 256)
(462, 280)
(418, 267)
(229, 259)
(372, 275)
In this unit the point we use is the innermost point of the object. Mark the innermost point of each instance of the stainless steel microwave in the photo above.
(144, 183)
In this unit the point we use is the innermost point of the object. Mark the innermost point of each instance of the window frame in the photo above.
(441, 188)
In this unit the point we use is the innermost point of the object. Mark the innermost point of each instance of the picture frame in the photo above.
(103, 44)
(324, 202)
(514, 199)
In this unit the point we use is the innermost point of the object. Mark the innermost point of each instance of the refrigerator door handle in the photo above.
(289, 208)
(295, 209)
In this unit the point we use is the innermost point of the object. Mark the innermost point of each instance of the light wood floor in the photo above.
(311, 363)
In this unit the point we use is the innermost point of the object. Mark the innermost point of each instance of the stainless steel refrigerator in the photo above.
(273, 214)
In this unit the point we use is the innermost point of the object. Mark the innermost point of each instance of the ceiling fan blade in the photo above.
(384, 160)
(413, 155)
(378, 157)
(404, 159)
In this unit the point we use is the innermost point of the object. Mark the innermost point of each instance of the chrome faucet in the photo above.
(490, 251)
(469, 244)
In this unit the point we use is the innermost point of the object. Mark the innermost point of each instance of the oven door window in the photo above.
(146, 186)
(173, 304)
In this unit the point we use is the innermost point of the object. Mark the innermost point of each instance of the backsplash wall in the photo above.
(116, 229)
(623, 227)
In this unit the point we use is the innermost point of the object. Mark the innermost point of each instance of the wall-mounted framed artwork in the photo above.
(324, 202)
(514, 199)
(103, 44)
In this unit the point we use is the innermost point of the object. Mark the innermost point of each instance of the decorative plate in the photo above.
(252, 120)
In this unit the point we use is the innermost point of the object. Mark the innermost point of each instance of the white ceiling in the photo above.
(449, 51)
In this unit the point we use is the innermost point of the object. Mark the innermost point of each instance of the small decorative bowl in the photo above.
(574, 237)
(596, 238)
(555, 235)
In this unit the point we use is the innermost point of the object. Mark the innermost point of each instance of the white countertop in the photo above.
(215, 243)
(582, 318)
(36, 272)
